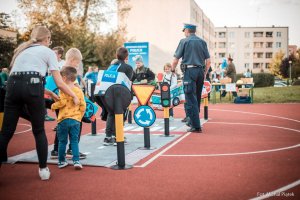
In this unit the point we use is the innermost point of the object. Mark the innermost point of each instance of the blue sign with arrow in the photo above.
(144, 116)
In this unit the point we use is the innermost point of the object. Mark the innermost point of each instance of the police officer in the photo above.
(195, 64)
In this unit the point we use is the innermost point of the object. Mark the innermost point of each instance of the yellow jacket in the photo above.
(67, 109)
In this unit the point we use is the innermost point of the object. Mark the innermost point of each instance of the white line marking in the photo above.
(138, 129)
(233, 123)
(277, 192)
(129, 128)
(257, 114)
(30, 128)
(155, 128)
(233, 154)
(242, 153)
(163, 151)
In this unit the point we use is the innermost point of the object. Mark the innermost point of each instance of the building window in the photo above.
(269, 55)
(247, 65)
(222, 44)
(222, 34)
(247, 55)
(278, 34)
(247, 45)
(258, 55)
(221, 55)
(269, 44)
(269, 34)
(258, 44)
(231, 35)
(231, 45)
(278, 44)
(256, 65)
(247, 34)
(267, 65)
(258, 34)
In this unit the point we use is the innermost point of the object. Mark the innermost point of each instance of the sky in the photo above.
(238, 12)
(233, 13)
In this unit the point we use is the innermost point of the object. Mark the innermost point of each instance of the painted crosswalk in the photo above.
(175, 126)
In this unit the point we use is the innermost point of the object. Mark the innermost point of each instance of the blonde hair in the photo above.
(38, 34)
(72, 54)
(168, 65)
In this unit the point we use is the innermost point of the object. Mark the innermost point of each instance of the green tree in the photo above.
(275, 64)
(75, 24)
(7, 45)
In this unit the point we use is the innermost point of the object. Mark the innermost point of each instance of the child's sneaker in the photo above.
(125, 141)
(44, 173)
(109, 141)
(69, 155)
(171, 118)
(54, 154)
(62, 164)
(77, 165)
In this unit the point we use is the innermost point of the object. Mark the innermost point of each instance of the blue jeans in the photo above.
(193, 83)
(64, 128)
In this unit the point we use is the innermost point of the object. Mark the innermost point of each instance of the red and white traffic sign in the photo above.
(206, 89)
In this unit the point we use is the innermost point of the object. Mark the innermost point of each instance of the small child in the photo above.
(73, 59)
(69, 119)
(170, 78)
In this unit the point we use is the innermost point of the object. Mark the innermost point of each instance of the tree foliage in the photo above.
(285, 66)
(7, 45)
(275, 64)
(75, 23)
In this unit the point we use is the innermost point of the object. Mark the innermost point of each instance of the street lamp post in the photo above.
(290, 62)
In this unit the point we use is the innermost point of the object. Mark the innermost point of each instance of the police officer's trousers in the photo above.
(193, 84)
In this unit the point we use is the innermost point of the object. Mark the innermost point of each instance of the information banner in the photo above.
(137, 50)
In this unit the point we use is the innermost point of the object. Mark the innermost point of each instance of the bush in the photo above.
(263, 79)
(260, 79)
(297, 82)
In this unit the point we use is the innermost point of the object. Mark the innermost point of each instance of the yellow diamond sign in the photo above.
(143, 93)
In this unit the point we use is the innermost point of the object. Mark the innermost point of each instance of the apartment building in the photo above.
(251, 47)
(160, 23)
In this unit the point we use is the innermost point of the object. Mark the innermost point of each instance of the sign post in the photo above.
(117, 98)
(144, 115)
(205, 91)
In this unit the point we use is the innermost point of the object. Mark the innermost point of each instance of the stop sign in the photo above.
(206, 89)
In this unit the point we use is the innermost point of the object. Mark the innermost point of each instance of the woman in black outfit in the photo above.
(25, 88)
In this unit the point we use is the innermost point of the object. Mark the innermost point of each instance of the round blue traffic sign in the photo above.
(144, 116)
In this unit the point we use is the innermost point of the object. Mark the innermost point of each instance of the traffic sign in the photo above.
(206, 89)
(144, 116)
(143, 92)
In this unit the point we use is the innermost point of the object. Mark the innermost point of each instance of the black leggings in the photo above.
(25, 91)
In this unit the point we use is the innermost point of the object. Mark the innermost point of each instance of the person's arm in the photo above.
(174, 64)
(151, 75)
(207, 66)
(82, 106)
(63, 87)
(52, 95)
(59, 104)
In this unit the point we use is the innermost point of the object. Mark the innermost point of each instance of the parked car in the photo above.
(279, 84)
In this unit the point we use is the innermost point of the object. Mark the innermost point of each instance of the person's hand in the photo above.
(54, 96)
(76, 100)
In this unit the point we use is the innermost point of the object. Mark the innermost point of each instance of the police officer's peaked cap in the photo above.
(189, 26)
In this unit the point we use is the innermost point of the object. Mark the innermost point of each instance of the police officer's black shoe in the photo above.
(194, 130)
(184, 119)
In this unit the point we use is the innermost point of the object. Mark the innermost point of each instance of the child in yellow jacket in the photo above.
(69, 119)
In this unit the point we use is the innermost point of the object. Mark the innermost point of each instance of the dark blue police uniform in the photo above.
(193, 51)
